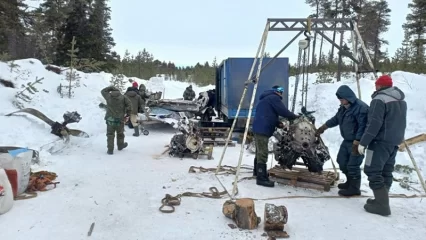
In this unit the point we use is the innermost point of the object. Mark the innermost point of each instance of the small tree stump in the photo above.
(275, 217)
(242, 212)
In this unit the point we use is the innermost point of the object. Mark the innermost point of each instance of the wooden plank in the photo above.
(325, 187)
(412, 140)
(301, 177)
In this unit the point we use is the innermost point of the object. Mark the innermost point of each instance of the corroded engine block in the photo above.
(298, 140)
(189, 141)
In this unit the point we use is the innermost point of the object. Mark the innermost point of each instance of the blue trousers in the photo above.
(379, 164)
(349, 163)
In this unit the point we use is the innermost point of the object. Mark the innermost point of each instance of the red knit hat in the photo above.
(135, 84)
(385, 81)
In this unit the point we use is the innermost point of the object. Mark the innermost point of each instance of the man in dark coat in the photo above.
(351, 117)
(188, 94)
(387, 120)
(268, 110)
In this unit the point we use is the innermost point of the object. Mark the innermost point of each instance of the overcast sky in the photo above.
(190, 31)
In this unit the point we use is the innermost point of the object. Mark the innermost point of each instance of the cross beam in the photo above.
(317, 24)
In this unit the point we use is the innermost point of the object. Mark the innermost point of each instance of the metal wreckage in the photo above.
(298, 140)
(59, 129)
(188, 142)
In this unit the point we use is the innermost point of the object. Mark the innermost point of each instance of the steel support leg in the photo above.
(253, 97)
(261, 46)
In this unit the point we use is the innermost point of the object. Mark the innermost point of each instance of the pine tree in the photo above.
(76, 25)
(54, 14)
(100, 40)
(416, 28)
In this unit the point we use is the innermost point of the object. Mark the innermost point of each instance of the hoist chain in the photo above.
(299, 70)
(302, 68)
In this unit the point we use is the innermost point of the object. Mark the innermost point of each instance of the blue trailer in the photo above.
(231, 76)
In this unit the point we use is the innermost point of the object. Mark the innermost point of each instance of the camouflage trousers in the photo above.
(261, 142)
(111, 131)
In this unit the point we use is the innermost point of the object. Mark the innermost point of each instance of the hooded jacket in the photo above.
(387, 118)
(117, 104)
(268, 110)
(135, 99)
(352, 120)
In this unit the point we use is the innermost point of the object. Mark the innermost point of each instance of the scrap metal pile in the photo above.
(298, 140)
(188, 142)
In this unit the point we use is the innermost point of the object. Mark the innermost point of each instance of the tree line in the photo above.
(47, 33)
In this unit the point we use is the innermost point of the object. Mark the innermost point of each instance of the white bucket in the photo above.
(20, 160)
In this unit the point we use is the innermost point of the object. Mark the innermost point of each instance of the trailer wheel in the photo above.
(145, 132)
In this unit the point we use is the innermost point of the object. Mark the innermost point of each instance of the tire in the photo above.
(145, 132)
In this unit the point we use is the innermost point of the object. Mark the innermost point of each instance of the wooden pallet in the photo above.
(217, 142)
(215, 136)
(301, 177)
(216, 132)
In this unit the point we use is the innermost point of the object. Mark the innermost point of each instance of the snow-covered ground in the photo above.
(121, 194)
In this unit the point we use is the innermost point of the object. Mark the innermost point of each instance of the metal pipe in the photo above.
(364, 49)
(253, 97)
(263, 39)
(422, 182)
(354, 48)
(279, 53)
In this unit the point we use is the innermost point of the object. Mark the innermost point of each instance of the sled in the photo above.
(35, 156)
(57, 128)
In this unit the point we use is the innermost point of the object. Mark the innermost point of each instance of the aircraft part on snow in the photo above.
(298, 141)
(59, 129)
(188, 142)
(175, 105)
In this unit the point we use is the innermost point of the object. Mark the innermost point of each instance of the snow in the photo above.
(121, 193)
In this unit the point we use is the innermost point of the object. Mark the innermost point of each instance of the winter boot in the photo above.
(262, 176)
(372, 200)
(344, 185)
(254, 167)
(381, 203)
(110, 152)
(353, 189)
(123, 147)
(136, 134)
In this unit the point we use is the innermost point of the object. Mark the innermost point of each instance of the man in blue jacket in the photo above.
(268, 110)
(387, 120)
(351, 117)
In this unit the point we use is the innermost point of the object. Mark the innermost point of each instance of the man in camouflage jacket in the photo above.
(117, 106)
(133, 94)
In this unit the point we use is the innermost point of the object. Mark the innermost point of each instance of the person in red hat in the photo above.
(387, 120)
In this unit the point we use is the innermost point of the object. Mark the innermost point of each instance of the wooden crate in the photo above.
(301, 177)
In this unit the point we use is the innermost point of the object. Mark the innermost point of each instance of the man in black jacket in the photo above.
(387, 120)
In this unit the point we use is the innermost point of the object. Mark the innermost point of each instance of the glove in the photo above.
(321, 130)
(361, 149)
(355, 145)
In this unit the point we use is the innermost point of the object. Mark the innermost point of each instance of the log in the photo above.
(242, 212)
(275, 217)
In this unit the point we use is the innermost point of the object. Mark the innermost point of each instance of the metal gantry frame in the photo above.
(300, 25)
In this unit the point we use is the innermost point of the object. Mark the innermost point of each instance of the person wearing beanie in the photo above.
(188, 94)
(266, 119)
(135, 84)
(387, 120)
(351, 117)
